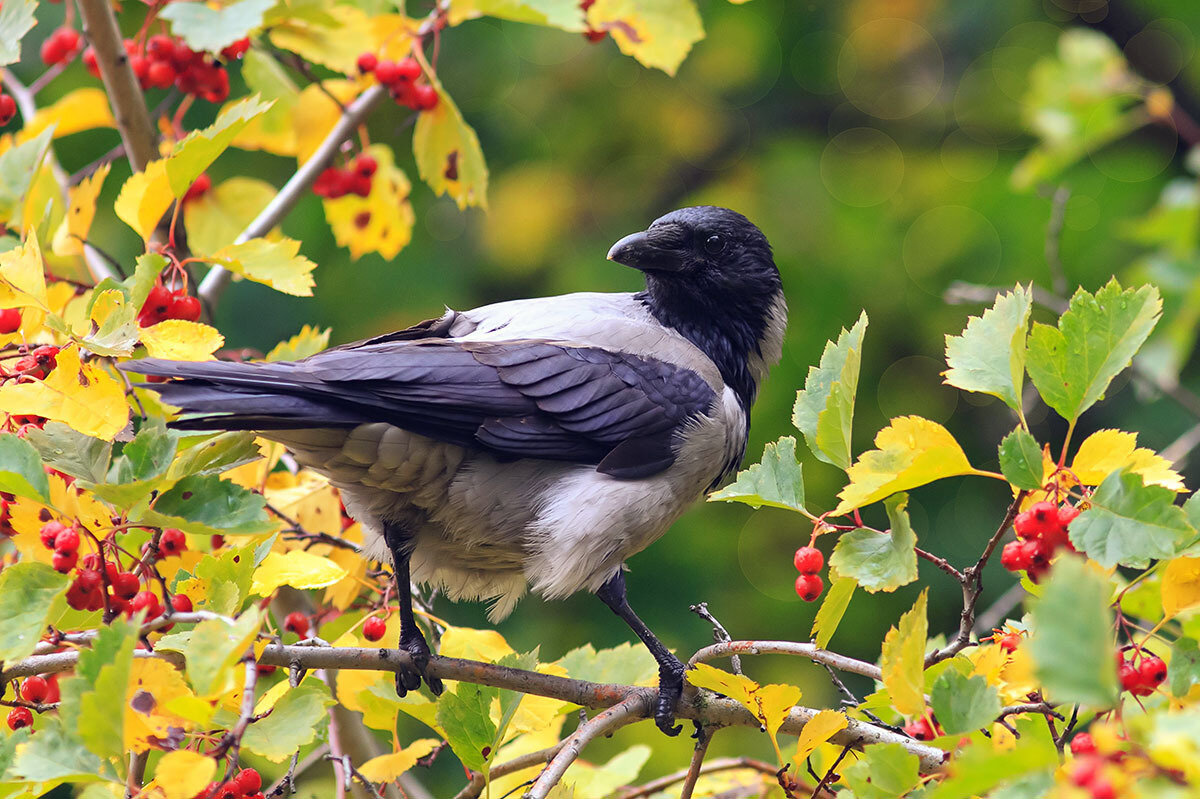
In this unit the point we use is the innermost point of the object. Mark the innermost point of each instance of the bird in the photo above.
(531, 444)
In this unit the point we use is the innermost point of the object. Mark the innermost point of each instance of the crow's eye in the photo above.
(714, 244)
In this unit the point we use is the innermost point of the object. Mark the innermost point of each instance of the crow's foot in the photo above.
(409, 678)
(670, 688)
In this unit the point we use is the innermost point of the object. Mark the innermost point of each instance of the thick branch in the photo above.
(810, 651)
(703, 707)
(120, 84)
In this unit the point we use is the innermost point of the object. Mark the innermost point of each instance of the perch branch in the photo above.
(810, 651)
(630, 709)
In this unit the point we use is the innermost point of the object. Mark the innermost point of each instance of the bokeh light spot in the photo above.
(951, 242)
(891, 68)
(965, 159)
(913, 386)
(862, 167)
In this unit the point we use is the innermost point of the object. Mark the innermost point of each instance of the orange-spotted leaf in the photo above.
(658, 33)
(448, 154)
(83, 396)
(382, 222)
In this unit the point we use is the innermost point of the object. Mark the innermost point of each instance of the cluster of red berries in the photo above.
(374, 628)
(8, 109)
(296, 622)
(10, 320)
(61, 46)
(925, 728)
(1041, 531)
(38, 363)
(36, 690)
(167, 61)
(335, 182)
(591, 34)
(246, 784)
(401, 79)
(1087, 769)
(65, 543)
(162, 303)
(122, 589)
(1142, 673)
(809, 584)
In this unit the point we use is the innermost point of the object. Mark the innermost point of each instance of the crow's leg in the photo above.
(411, 639)
(670, 669)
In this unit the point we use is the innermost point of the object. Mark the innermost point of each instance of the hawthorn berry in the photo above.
(126, 585)
(88, 580)
(147, 601)
(1085, 770)
(53, 695)
(198, 188)
(38, 363)
(49, 533)
(35, 689)
(1082, 744)
(172, 542)
(1010, 642)
(1130, 677)
(920, 729)
(248, 781)
(181, 603)
(91, 63)
(10, 320)
(1103, 788)
(367, 63)
(808, 560)
(60, 46)
(365, 165)
(161, 74)
(374, 628)
(19, 717)
(809, 587)
(1152, 670)
(236, 50)
(8, 109)
(154, 309)
(66, 541)
(63, 562)
(296, 622)
(161, 47)
(387, 72)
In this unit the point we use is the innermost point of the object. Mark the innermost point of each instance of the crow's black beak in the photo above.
(642, 251)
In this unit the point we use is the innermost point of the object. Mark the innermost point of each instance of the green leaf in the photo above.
(211, 30)
(880, 562)
(27, 594)
(975, 770)
(201, 148)
(623, 664)
(989, 355)
(213, 648)
(1096, 338)
(1185, 666)
(1130, 523)
(55, 754)
(229, 573)
(19, 164)
(824, 409)
(16, 18)
(213, 454)
(963, 703)
(1072, 642)
(465, 717)
(309, 341)
(833, 607)
(293, 722)
(1021, 460)
(448, 154)
(21, 470)
(510, 701)
(99, 687)
(208, 505)
(148, 455)
(777, 480)
(277, 264)
(886, 771)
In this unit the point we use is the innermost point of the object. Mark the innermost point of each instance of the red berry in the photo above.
(408, 69)
(68, 38)
(217, 541)
(1084, 771)
(63, 562)
(236, 50)
(147, 601)
(141, 68)
(1010, 642)
(920, 730)
(365, 165)
(1082, 744)
(1131, 678)
(34, 689)
(154, 309)
(66, 541)
(248, 781)
(126, 585)
(1013, 556)
(374, 628)
(1102, 788)
(8, 109)
(19, 717)
(387, 72)
(1026, 526)
(90, 62)
(53, 51)
(49, 533)
(54, 694)
(361, 185)
(1152, 670)
(10, 320)
(809, 587)
(808, 560)
(425, 97)
(46, 357)
(161, 47)
(172, 541)
(198, 188)
(296, 622)
(227, 791)
(161, 74)
(367, 63)
(89, 580)
(181, 603)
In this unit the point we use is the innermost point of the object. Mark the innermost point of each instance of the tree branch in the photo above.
(810, 651)
(519, 763)
(634, 707)
(712, 766)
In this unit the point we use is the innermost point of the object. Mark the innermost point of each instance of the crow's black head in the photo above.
(710, 275)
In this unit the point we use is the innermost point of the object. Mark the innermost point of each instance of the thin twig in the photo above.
(941, 563)
(1030, 707)
(720, 634)
(632, 708)
(137, 772)
(810, 651)
(703, 738)
(351, 771)
(232, 742)
(1058, 214)
(830, 774)
(711, 767)
(311, 759)
(519, 763)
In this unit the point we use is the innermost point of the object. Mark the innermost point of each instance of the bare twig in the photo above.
(1058, 214)
(962, 293)
(311, 759)
(519, 763)
(810, 651)
(1044, 708)
(703, 738)
(137, 772)
(831, 774)
(941, 563)
(720, 634)
(630, 709)
(232, 742)
(351, 771)
(711, 767)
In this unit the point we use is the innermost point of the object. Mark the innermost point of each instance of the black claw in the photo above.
(670, 688)
(409, 679)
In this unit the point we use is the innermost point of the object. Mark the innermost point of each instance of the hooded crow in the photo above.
(534, 443)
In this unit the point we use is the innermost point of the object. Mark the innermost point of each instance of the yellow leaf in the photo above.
(392, 35)
(735, 686)
(911, 452)
(144, 198)
(381, 222)
(773, 703)
(1181, 585)
(471, 644)
(1106, 451)
(277, 264)
(903, 660)
(183, 773)
(658, 33)
(273, 695)
(181, 340)
(386, 768)
(819, 729)
(343, 593)
(309, 341)
(22, 277)
(334, 40)
(448, 154)
(222, 213)
(80, 395)
(296, 568)
(308, 498)
(82, 109)
(156, 689)
(69, 238)
(538, 712)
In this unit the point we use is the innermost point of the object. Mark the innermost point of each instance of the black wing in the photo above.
(516, 399)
